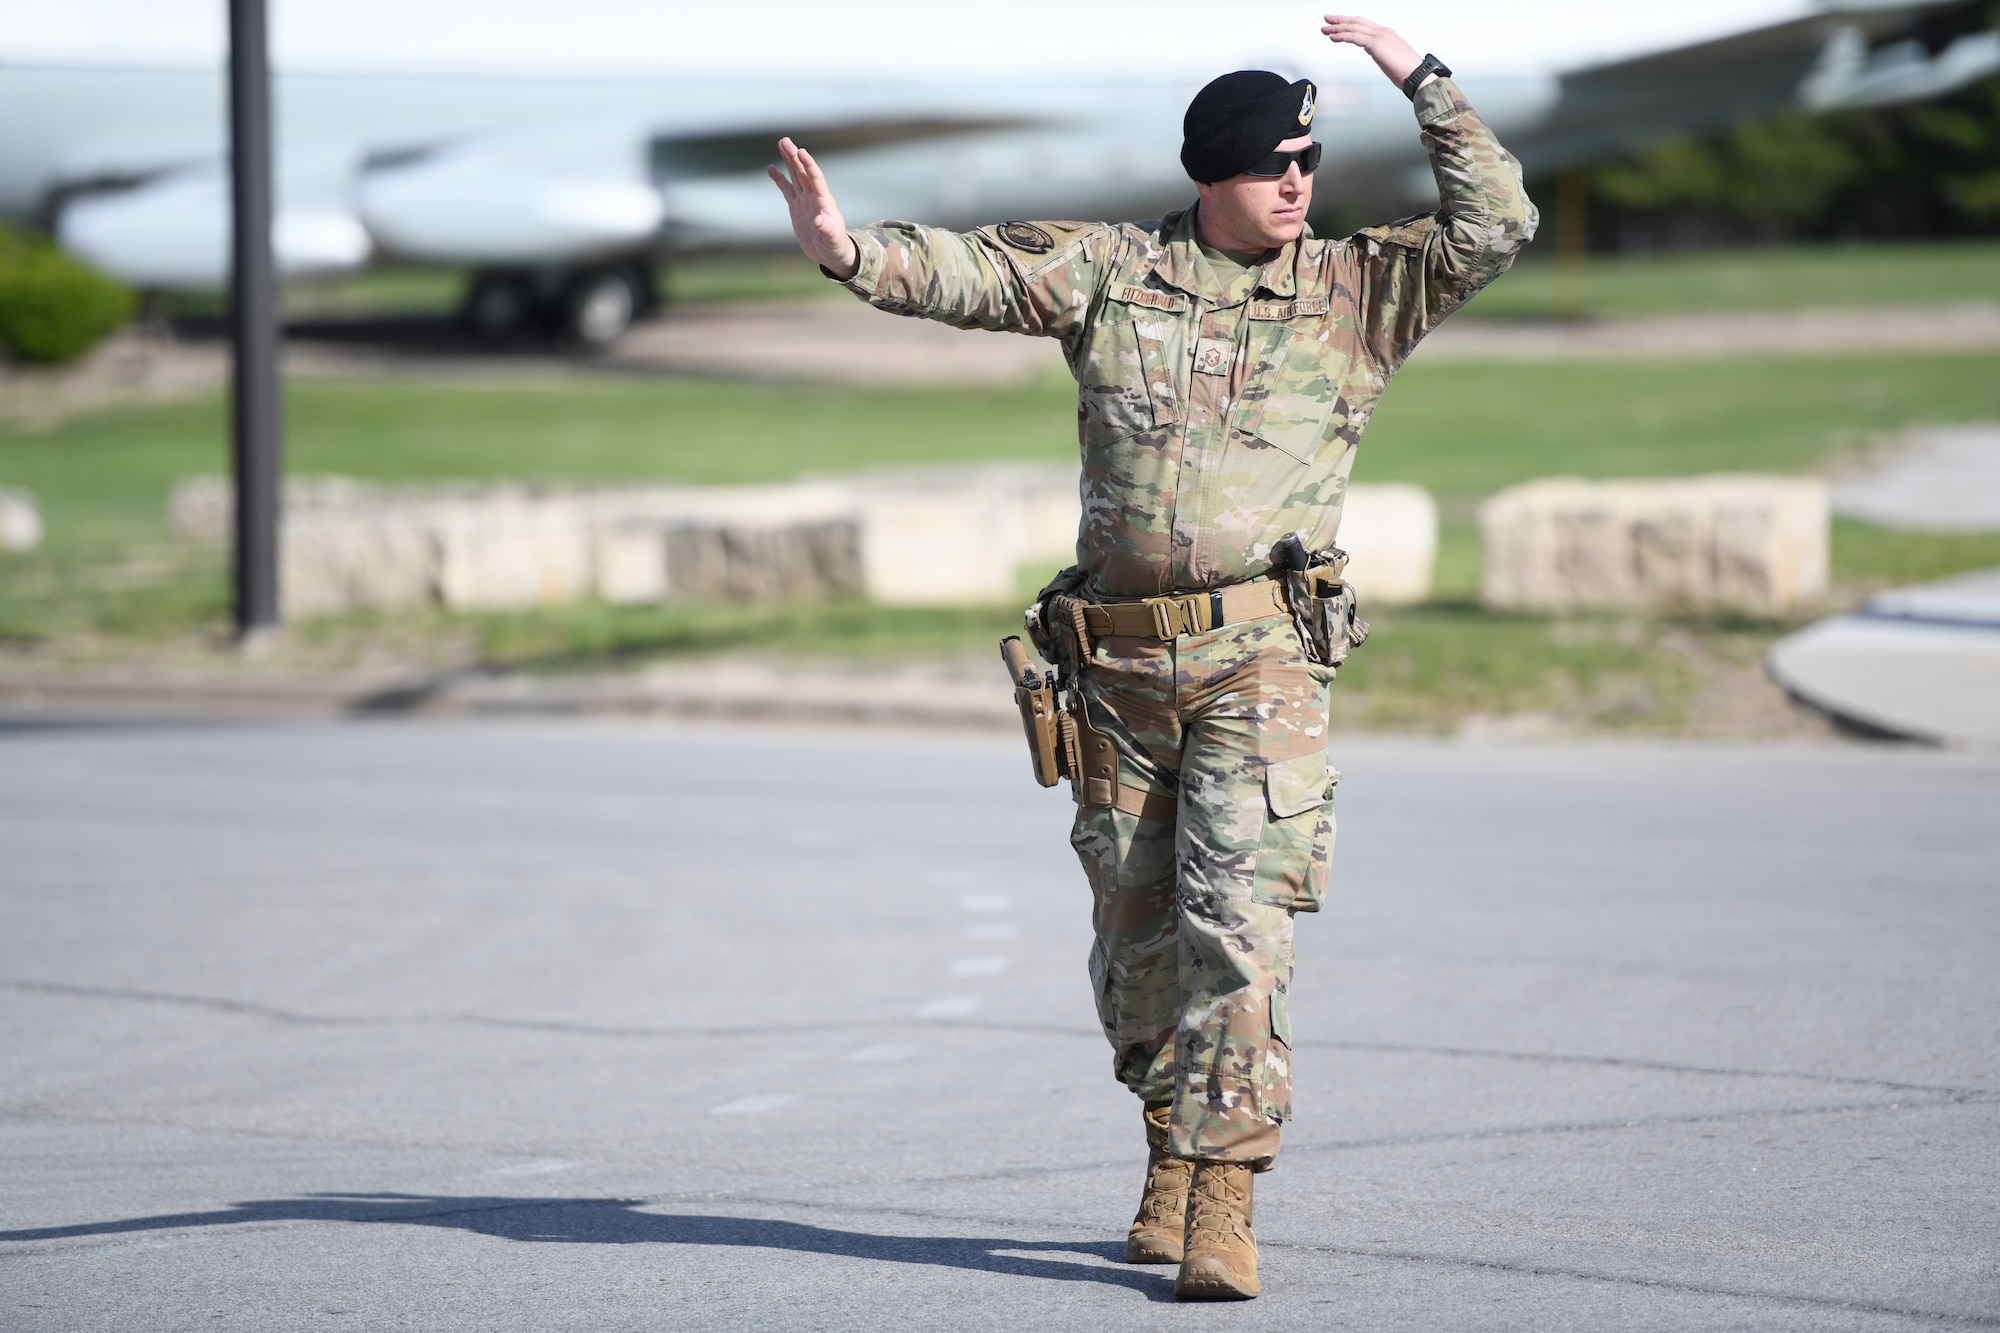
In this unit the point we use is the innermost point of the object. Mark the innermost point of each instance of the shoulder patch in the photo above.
(1032, 247)
(1026, 237)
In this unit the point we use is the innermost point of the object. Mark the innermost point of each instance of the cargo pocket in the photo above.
(1274, 1073)
(1297, 847)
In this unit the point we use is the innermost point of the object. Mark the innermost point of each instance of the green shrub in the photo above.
(53, 309)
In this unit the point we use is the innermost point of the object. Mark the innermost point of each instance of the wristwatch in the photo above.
(1432, 65)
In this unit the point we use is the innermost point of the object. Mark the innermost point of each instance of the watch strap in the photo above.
(1431, 65)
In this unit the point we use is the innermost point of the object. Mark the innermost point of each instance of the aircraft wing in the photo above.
(681, 156)
(1841, 57)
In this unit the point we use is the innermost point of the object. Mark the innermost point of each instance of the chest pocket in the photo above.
(1295, 377)
(1126, 378)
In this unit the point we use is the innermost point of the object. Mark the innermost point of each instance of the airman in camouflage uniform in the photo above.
(1218, 411)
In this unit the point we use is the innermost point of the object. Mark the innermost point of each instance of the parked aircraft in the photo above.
(560, 193)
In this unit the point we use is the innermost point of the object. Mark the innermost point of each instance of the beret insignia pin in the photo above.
(1306, 109)
(1026, 236)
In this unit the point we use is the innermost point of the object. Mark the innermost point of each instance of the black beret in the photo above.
(1239, 118)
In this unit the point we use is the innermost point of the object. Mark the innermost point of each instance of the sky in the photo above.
(983, 38)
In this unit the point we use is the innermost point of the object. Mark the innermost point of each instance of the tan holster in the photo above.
(1062, 743)
(1050, 730)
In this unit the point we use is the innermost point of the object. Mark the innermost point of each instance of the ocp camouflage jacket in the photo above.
(1212, 427)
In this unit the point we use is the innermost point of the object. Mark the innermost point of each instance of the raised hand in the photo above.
(1394, 56)
(816, 220)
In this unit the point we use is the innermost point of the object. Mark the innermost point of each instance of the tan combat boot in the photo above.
(1219, 1259)
(1156, 1232)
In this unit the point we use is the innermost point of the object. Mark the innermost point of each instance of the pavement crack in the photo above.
(1640, 1280)
(1628, 1062)
(1506, 1132)
(295, 1018)
(1647, 1122)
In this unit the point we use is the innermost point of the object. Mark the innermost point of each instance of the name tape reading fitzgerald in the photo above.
(1171, 301)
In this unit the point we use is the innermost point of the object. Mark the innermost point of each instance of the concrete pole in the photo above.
(253, 320)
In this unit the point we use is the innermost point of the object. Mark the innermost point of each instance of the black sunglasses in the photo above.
(1279, 162)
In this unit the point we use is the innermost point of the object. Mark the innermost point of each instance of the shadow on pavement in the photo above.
(620, 1222)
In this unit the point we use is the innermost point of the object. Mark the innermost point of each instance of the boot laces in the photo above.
(1167, 1180)
(1215, 1208)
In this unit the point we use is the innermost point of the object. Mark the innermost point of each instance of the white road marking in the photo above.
(948, 1006)
(756, 1103)
(545, 1167)
(985, 902)
(979, 967)
(990, 930)
(882, 1054)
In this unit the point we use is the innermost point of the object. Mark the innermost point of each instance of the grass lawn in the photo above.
(1474, 428)
(1785, 277)
(1764, 278)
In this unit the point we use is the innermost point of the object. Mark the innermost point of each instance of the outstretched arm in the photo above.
(816, 220)
(1393, 56)
(1408, 276)
(969, 279)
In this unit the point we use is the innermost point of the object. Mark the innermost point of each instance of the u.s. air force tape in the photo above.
(1026, 236)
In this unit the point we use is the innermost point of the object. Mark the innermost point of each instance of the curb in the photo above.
(724, 694)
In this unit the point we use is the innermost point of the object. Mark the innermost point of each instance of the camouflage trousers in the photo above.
(1192, 962)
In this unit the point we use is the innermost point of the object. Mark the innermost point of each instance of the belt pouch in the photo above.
(1325, 611)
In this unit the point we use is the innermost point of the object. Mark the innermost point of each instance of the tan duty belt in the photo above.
(1186, 613)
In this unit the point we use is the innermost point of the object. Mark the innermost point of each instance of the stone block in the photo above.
(939, 544)
(917, 537)
(964, 535)
(709, 561)
(331, 561)
(20, 521)
(630, 564)
(1752, 544)
(203, 509)
(1390, 534)
(506, 554)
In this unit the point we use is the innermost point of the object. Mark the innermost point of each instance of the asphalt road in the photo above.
(594, 1025)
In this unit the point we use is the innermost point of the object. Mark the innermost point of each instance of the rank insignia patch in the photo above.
(1026, 236)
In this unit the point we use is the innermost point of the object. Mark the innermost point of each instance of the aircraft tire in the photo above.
(602, 306)
(499, 307)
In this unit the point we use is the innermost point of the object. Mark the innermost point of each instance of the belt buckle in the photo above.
(1172, 616)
